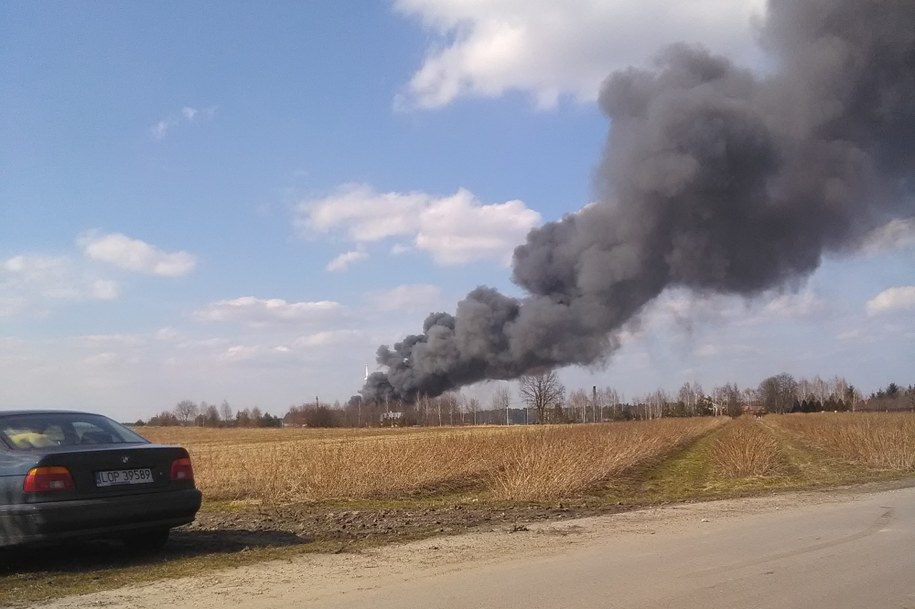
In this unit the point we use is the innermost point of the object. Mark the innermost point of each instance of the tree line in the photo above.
(542, 398)
(189, 413)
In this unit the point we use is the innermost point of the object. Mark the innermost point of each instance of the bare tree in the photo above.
(728, 398)
(612, 399)
(243, 418)
(852, 397)
(209, 417)
(750, 397)
(541, 391)
(734, 403)
(656, 401)
(690, 394)
(472, 405)
(821, 391)
(578, 403)
(423, 404)
(839, 389)
(803, 389)
(502, 400)
(186, 411)
(777, 393)
(225, 411)
(447, 402)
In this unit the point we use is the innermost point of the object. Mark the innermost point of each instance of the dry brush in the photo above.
(496, 463)
(745, 449)
(880, 440)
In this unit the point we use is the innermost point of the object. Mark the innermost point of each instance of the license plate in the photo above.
(142, 475)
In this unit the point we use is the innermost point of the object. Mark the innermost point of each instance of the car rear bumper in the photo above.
(99, 517)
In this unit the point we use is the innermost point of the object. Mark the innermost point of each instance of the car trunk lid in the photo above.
(117, 470)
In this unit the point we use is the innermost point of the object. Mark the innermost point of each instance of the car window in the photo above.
(43, 430)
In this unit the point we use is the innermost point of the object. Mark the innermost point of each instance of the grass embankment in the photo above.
(253, 474)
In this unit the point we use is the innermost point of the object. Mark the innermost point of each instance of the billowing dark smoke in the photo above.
(713, 179)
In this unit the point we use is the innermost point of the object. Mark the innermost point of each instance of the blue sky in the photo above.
(228, 201)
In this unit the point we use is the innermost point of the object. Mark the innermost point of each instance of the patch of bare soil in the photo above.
(283, 525)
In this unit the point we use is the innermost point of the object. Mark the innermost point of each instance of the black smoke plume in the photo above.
(714, 179)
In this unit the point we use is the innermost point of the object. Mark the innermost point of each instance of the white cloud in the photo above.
(792, 306)
(454, 230)
(241, 353)
(28, 281)
(406, 297)
(893, 299)
(327, 339)
(135, 255)
(342, 262)
(847, 335)
(36, 268)
(106, 360)
(260, 312)
(896, 235)
(187, 115)
(105, 289)
(160, 129)
(299, 350)
(458, 229)
(169, 335)
(113, 339)
(364, 214)
(12, 306)
(550, 49)
(708, 350)
(684, 307)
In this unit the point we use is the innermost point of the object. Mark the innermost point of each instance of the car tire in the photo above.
(147, 541)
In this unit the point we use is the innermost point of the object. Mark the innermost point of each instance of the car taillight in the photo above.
(182, 469)
(45, 479)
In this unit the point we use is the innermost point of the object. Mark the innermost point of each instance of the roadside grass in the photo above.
(602, 468)
(70, 572)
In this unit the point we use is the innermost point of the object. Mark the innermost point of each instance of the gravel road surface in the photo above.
(850, 549)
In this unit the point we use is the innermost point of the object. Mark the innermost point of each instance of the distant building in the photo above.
(392, 419)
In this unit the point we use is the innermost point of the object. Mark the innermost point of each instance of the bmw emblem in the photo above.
(125, 459)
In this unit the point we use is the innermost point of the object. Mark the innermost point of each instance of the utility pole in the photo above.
(594, 403)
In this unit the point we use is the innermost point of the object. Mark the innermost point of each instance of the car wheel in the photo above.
(147, 541)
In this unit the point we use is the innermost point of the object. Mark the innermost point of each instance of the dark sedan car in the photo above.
(74, 475)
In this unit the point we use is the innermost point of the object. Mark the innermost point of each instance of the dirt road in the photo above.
(828, 549)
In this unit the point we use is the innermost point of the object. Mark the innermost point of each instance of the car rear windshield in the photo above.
(43, 430)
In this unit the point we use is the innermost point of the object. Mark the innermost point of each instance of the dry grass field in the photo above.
(745, 448)
(494, 463)
(530, 463)
(880, 440)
